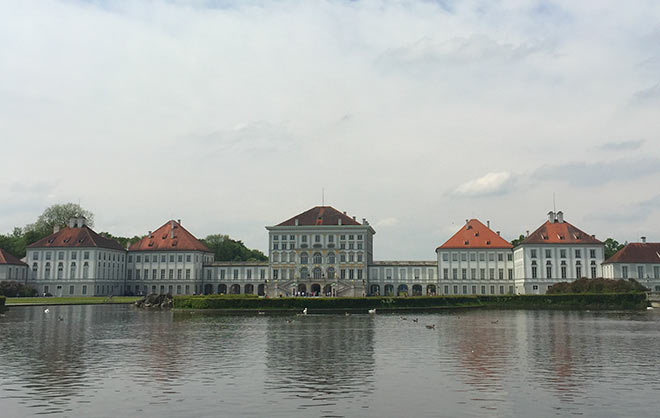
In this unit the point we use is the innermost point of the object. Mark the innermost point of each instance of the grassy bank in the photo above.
(90, 300)
(610, 301)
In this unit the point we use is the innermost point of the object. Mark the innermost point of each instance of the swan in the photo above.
(304, 311)
(46, 310)
(372, 311)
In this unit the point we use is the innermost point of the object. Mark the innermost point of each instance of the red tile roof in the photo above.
(637, 252)
(82, 237)
(559, 233)
(6, 258)
(474, 234)
(320, 215)
(169, 237)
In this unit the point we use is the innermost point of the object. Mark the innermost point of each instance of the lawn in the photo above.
(84, 300)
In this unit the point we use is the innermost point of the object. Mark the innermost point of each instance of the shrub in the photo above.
(598, 285)
(15, 289)
(2, 303)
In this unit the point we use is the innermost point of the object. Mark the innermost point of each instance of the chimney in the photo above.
(528, 233)
(551, 217)
(296, 221)
(560, 217)
(498, 233)
(56, 228)
(364, 221)
(150, 234)
(643, 240)
(178, 221)
(344, 212)
(488, 224)
(353, 217)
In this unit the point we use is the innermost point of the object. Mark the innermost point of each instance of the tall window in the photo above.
(86, 270)
(304, 273)
(548, 270)
(534, 273)
(331, 273)
(60, 270)
(34, 271)
(304, 258)
(563, 269)
(640, 272)
(72, 272)
(316, 273)
(318, 258)
(593, 269)
(331, 258)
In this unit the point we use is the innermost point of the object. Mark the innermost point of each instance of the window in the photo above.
(534, 274)
(463, 256)
(464, 274)
(548, 272)
(317, 238)
(162, 274)
(262, 272)
(482, 274)
(187, 273)
(303, 258)
(170, 274)
(640, 272)
(275, 246)
(146, 258)
(593, 269)
(276, 257)
(445, 274)
(548, 253)
(535, 287)
(500, 257)
(179, 274)
(179, 258)
(72, 271)
(74, 255)
(578, 272)
(162, 258)
(359, 257)
(331, 258)
(491, 274)
(331, 238)
(351, 258)
(359, 245)
(60, 270)
(35, 256)
(304, 273)
(351, 274)
(84, 289)
(304, 238)
(473, 274)
(454, 256)
(172, 259)
(359, 237)
(592, 253)
(500, 274)
(60, 255)
(431, 274)
(445, 257)
(318, 258)
(510, 272)
(578, 253)
(509, 257)
(563, 270)
(482, 256)
(351, 237)
(656, 272)
(276, 237)
(249, 271)
(624, 272)
(454, 274)
(562, 253)
(351, 246)
(491, 257)
(222, 274)
(532, 253)
(235, 274)
(275, 274)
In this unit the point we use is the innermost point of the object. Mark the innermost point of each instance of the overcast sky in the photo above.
(416, 115)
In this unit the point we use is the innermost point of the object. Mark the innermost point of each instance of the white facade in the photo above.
(399, 278)
(76, 271)
(174, 272)
(478, 271)
(246, 277)
(13, 272)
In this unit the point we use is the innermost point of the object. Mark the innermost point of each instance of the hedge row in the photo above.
(2, 303)
(567, 301)
(225, 302)
(632, 300)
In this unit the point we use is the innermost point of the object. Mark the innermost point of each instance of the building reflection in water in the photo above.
(320, 359)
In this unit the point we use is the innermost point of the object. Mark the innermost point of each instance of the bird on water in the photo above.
(372, 311)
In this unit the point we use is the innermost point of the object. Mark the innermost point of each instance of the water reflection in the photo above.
(108, 361)
(320, 360)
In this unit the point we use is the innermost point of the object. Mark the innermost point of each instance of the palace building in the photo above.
(637, 260)
(321, 251)
(11, 268)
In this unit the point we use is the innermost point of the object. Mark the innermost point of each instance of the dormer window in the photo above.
(487, 242)
(467, 242)
(476, 234)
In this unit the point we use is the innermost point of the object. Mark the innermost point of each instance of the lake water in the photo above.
(115, 361)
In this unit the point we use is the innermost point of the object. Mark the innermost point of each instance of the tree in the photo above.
(518, 240)
(227, 249)
(611, 247)
(59, 214)
(124, 241)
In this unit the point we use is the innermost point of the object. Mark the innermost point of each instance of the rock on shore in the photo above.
(156, 301)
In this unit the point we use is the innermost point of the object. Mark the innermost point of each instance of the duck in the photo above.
(495, 322)
(46, 310)
(403, 318)
(347, 314)
(261, 313)
(372, 311)
(304, 311)
(649, 308)
(432, 326)
(415, 320)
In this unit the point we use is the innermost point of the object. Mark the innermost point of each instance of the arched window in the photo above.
(284, 257)
(303, 258)
(86, 270)
(317, 273)
(47, 272)
(72, 271)
(331, 258)
(318, 258)
(331, 273)
(304, 273)
(292, 257)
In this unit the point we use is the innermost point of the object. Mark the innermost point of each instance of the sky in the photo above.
(417, 115)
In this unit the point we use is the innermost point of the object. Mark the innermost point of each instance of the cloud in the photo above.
(386, 222)
(649, 95)
(490, 184)
(583, 174)
(622, 146)
(635, 212)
